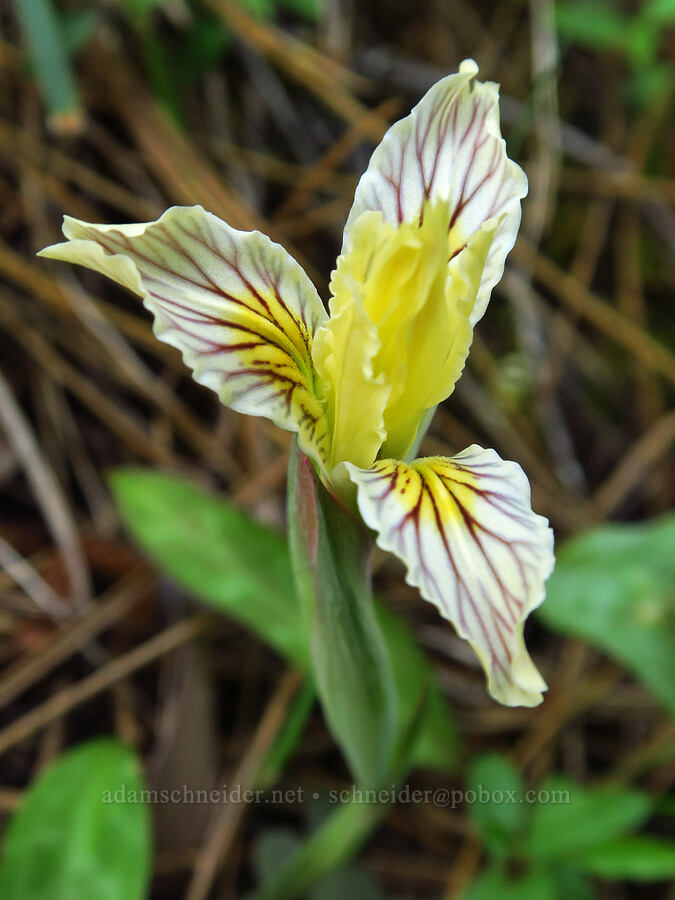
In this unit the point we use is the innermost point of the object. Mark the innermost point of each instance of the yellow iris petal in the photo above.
(415, 285)
(343, 353)
(442, 332)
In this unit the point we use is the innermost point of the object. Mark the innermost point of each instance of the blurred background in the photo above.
(141, 636)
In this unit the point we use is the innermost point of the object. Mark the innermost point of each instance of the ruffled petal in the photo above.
(448, 149)
(240, 309)
(475, 549)
(343, 353)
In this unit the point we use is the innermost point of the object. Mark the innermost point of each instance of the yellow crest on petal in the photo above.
(239, 308)
(473, 546)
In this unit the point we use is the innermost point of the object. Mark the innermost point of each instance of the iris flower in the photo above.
(434, 217)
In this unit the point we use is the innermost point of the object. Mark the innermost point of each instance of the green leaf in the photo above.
(615, 587)
(77, 834)
(642, 43)
(592, 24)
(660, 11)
(632, 858)
(570, 883)
(215, 551)
(650, 83)
(49, 60)
(436, 745)
(499, 808)
(330, 550)
(493, 884)
(569, 818)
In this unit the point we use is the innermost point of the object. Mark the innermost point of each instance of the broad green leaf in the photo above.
(493, 885)
(660, 11)
(651, 82)
(569, 818)
(499, 807)
(330, 549)
(632, 858)
(642, 43)
(615, 587)
(597, 25)
(436, 745)
(217, 552)
(78, 832)
(243, 569)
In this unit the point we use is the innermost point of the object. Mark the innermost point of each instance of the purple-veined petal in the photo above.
(240, 309)
(473, 546)
(448, 148)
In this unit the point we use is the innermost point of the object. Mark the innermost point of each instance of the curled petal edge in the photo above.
(473, 547)
(240, 309)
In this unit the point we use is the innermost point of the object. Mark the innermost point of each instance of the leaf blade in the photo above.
(570, 818)
(69, 839)
(613, 587)
(330, 551)
(635, 858)
(203, 542)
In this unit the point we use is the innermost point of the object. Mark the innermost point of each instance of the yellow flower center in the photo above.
(399, 330)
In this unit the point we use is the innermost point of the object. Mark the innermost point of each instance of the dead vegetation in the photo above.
(571, 374)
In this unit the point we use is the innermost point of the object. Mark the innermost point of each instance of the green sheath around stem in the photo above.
(330, 551)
